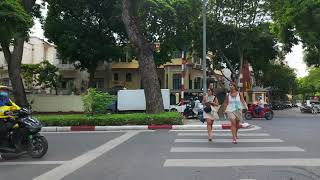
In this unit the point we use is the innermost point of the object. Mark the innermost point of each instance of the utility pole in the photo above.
(204, 53)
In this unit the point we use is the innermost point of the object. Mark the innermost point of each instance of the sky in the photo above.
(294, 59)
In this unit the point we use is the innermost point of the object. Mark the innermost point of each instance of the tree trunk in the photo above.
(14, 61)
(144, 52)
(56, 89)
(91, 72)
(14, 69)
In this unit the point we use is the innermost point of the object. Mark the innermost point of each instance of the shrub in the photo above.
(96, 102)
(172, 118)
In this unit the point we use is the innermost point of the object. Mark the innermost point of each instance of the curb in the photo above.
(142, 127)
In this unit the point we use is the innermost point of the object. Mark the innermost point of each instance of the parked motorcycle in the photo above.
(193, 108)
(33, 143)
(265, 112)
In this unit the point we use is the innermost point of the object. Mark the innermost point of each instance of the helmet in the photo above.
(4, 91)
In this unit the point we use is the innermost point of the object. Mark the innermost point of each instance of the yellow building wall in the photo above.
(194, 73)
(134, 84)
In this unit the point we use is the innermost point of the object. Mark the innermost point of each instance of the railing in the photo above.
(65, 66)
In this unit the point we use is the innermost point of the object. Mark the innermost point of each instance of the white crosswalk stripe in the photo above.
(240, 162)
(193, 142)
(226, 140)
(225, 134)
(238, 149)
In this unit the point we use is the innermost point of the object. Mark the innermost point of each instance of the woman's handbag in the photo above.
(207, 108)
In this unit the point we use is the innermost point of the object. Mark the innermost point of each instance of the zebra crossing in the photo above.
(260, 143)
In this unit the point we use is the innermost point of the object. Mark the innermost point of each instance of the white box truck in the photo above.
(134, 100)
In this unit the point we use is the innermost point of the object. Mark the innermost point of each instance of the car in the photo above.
(112, 108)
(178, 107)
(312, 107)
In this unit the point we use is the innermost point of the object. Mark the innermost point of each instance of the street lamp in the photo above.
(204, 54)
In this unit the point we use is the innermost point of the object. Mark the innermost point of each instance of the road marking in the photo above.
(238, 149)
(226, 140)
(96, 132)
(239, 162)
(78, 162)
(12, 163)
(223, 134)
(204, 129)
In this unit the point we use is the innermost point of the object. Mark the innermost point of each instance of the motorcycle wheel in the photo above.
(248, 116)
(268, 115)
(38, 147)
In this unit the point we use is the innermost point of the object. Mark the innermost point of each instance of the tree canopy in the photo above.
(172, 23)
(44, 75)
(280, 77)
(238, 31)
(14, 21)
(296, 21)
(310, 85)
(86, 32)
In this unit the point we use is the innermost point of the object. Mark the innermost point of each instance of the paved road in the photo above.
(284, 148)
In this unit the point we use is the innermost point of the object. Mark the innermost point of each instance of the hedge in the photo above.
(168, 118)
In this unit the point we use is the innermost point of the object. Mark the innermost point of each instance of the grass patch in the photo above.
(171, 118)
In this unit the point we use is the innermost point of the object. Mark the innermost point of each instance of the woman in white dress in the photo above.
(210, 100)
(234, 104)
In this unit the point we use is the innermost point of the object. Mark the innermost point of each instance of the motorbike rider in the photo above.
(259, 106)
(7, 107)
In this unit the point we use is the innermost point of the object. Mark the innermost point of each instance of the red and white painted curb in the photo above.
(142, 127)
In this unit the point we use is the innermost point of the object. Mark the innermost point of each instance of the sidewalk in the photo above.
(189, 124)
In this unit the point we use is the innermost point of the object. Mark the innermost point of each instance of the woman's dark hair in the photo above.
(235, 85)
(211, 89)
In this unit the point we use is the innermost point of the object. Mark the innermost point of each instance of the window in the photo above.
(160, 82)
(64, 84)
(167, 83)
(176, 81)
(64, 61)
(190, 82)
(197, 83)
(116, 77)
(99, 83)
(67, 83)
(128, 77)
(6, 82)
(123, 59)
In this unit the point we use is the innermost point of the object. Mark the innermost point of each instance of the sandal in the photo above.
(234, 142)
(210, 140)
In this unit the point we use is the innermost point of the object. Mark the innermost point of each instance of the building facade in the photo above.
(122, 73)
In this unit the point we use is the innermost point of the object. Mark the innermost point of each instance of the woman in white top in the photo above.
(212, 101)
(233, 108)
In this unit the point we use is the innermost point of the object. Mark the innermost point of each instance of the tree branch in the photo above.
(225, 76)
(6, 51)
